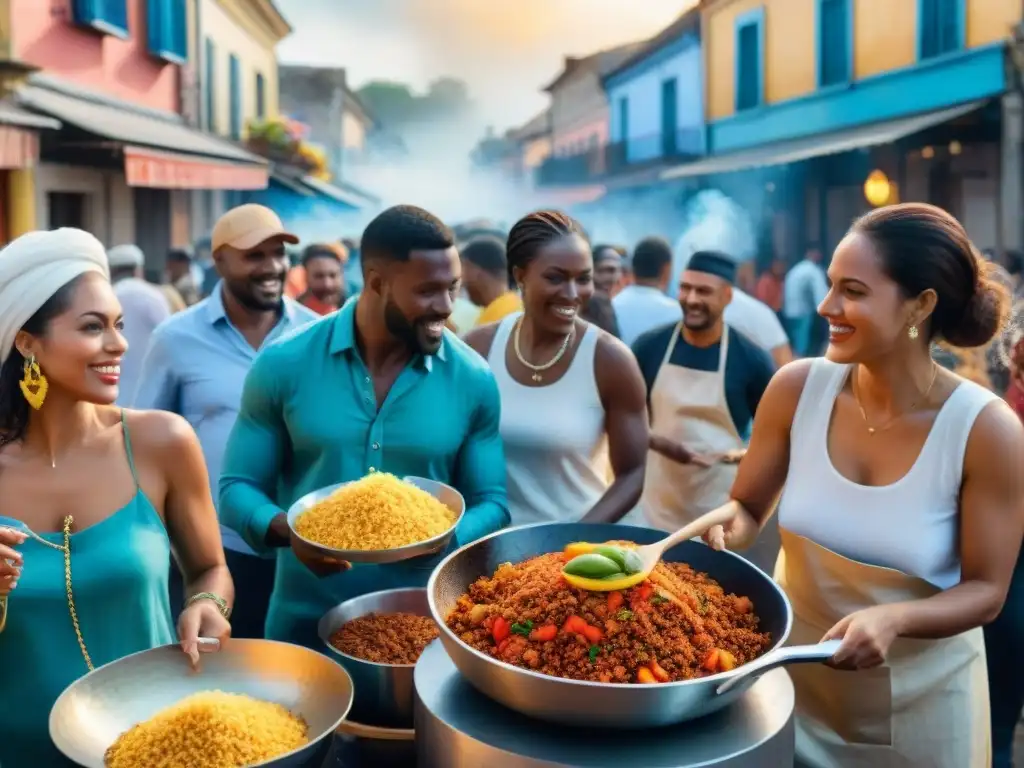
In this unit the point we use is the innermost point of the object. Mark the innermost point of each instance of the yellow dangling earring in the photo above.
(33, 384)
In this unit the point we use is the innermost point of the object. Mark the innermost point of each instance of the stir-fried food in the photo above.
(380, 511)
(676, 625)
(210, 730)
(386, 638)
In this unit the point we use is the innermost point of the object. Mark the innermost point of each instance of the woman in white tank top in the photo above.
(569, 391)
(902, 507)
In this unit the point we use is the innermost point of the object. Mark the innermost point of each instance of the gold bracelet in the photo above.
(219, 601)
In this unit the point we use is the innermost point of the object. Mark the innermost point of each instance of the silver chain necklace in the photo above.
(539, 369)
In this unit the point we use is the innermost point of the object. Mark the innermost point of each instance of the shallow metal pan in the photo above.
(447, 495)
(94, 710)
(613, 705)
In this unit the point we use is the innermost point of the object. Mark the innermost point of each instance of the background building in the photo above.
(122, 159)
(808, 98)
(232, 53)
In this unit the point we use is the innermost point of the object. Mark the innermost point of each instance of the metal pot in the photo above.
(610, 705)
(94, 710)
(383, 692)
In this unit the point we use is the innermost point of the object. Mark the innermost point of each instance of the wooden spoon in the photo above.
(650, 554)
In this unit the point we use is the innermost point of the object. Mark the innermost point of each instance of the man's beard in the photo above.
(409, 332)
(245, 294)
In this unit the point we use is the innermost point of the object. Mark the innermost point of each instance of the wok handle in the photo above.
(795, 654)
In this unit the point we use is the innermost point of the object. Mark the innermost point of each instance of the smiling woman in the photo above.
(93, 497)
(914, 550)
(570, 392)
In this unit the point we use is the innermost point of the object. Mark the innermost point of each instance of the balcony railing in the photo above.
(603, 162)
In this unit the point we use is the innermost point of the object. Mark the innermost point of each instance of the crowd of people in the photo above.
(152, 437)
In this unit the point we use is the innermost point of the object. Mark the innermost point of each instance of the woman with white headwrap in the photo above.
(92, 498)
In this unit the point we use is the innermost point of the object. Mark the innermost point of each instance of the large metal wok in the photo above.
(611, 705)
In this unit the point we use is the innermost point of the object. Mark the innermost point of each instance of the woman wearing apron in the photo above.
(571, 394)
(903, 507)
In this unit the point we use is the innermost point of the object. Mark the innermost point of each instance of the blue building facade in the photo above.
(655, 99)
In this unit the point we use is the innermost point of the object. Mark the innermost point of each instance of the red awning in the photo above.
(167, 170)
(18, 148)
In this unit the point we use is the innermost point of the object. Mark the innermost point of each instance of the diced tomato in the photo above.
(501, 629)
(545, 633)
(659, 674)
(743, 605)
(644, 675)
(574, 624)
(645, 591)
(615, 601)
(726, 660)
(710, 662)
(593, 634)
(502, 646)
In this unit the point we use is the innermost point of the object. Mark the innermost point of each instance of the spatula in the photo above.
(650, 554)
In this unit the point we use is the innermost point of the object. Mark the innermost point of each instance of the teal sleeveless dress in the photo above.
(119, 570)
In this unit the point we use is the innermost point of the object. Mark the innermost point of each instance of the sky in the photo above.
(505, 50)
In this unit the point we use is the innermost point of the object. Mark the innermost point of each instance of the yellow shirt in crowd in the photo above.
(502, 306)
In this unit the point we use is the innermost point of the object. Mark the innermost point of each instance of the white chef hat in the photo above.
(34, 267)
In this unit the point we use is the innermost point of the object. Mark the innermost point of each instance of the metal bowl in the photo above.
(384, 692)
(611, 705)
(447, 495)
(94, 710)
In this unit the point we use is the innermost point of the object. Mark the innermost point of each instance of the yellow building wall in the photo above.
(989, 21)
(885, 38)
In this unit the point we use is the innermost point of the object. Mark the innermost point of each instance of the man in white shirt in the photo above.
(805, 288)
(144, 307)
(644, 305)
(755, 320)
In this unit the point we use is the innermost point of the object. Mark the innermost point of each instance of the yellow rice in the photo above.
(378, 512)
(210, 730)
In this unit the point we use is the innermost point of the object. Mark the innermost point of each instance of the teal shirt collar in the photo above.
(343, 334)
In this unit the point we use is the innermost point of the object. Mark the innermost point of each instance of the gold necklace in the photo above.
(539, 369)
(66, 549)
(885, 425)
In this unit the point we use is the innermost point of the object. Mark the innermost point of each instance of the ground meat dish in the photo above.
(677, 625)
(386, 638)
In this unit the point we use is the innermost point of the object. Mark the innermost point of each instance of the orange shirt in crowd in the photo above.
(312, 302)
(295, 282)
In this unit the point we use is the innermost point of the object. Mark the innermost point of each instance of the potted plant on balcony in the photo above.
(282, 140)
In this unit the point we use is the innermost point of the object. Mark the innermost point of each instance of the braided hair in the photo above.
(534, 231)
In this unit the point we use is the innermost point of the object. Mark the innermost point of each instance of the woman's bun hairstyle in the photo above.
(923, 247)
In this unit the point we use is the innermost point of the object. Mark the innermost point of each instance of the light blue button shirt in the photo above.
(195, 366)
(310, 419)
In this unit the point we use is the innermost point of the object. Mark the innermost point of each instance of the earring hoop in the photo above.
(912, 332)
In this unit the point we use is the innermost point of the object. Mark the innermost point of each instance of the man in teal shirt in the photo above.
(380, 385)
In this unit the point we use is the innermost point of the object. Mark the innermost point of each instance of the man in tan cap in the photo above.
(197, 362)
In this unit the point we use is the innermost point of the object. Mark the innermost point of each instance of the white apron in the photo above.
(689, 407)
(926, 707)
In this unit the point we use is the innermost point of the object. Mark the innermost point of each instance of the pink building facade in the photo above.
(46, 36)
(123, 163)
